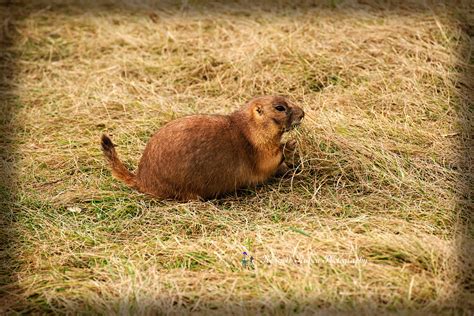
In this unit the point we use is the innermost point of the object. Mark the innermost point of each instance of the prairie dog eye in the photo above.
(280, 108)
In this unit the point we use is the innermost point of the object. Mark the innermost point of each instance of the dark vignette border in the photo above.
(10, 15)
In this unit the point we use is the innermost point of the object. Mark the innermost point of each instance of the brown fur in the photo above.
(204, 156)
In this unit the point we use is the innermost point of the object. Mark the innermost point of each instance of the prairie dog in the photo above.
(204, 156)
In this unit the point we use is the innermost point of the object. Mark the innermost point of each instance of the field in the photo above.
(377, 212)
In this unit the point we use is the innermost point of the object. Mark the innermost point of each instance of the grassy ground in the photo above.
(376, 216)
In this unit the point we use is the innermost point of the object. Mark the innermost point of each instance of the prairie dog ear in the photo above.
(259, 109)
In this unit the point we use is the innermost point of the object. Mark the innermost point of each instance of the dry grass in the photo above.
(383, 166)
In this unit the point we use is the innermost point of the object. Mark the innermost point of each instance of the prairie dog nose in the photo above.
(298, 114)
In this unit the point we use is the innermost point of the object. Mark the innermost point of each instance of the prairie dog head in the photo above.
(275, 114)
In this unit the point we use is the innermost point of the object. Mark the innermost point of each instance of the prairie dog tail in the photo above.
(119, 171)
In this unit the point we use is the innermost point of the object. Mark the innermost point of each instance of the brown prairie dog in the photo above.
(204, 156)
